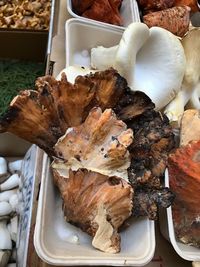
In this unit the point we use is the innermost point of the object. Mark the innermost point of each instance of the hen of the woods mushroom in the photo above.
(108, 144)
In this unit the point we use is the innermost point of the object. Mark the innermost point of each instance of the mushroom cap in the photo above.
(160, 67)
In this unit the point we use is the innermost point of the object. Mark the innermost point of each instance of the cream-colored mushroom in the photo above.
(151, 60)
(190, 88)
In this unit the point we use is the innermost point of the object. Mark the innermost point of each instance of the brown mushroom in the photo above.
(99, 144)
(96, 203)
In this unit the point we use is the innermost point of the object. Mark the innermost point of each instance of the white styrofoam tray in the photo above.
(53, 234)
(187, 252)
(128, 11)
(81, 36)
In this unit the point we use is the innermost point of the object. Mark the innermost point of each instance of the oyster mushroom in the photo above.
(151, 60)
(99, 145)
(190, 84)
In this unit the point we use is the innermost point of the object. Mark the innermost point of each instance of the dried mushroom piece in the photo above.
(99, 144)
(98, 204)
(28, 117)
(57, 105)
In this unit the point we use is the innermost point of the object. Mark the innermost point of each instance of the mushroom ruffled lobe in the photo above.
(90, 174)
(99, 144)
(43, 115)
(97, 204)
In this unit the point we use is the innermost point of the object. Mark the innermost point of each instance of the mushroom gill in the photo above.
(95, 196)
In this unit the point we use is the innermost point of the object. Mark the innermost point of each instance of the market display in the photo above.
(110, 129)
(23, 14)
(105, 10)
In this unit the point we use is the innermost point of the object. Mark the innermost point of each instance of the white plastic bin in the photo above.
(186, 252)
(128, 11)
(53, 235)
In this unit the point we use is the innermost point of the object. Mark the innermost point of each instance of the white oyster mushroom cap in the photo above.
(73, 71)
(160, 67)
(152, 61)
(5, 196)
(190, 89)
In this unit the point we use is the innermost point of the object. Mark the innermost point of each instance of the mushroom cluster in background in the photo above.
(24, 14)
(9, 210)
(172, 15)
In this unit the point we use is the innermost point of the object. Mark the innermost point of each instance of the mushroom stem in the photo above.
(12, 182)
(5, 238)
(13, 228)
(5, 196)
(4, 257)
(3, 169)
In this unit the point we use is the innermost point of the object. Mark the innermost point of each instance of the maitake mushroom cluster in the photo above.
(24, 14)
(108, 144)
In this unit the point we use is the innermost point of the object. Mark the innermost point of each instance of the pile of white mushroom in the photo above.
(9, 184)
